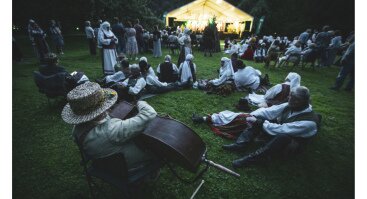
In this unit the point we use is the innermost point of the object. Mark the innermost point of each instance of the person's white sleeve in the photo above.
(175, 69)
(102, 40)
(122, 130)
(269, 113)
(220, 80)
(194, 67)
(272, 92)
(138, 87)
(296, 129)
(159, 69)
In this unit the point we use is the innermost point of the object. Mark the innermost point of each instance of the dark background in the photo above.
(284, 17)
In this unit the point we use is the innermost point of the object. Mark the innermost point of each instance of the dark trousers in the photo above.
(92, 46)
(344, 72)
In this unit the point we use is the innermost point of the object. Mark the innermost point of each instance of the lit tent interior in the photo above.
(197, 14)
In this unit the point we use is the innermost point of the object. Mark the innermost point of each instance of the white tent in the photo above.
(198, 13)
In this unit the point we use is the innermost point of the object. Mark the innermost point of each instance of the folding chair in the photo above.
(113, 170)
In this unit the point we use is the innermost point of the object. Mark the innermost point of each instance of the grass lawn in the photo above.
(46, 160)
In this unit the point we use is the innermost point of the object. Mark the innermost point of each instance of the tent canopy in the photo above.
(198, 13)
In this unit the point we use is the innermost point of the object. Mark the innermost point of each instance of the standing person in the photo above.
(303, 38)
(131, 43)
(97, 31)
(185, 43)
(334, 47)
(157, 51)
(348, 63)
(56, 37)
(139, 35)
(108, 41)
(208, 40)
(118, 30)
(37, 37)
(89, 32)
(322, 41)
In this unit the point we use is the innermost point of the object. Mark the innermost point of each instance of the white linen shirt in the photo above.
(297, 129)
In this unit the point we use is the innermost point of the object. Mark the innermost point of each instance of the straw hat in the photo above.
(86, 102)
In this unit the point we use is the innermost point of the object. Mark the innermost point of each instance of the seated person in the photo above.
(290, 53)
(248, 54)
(309, 53)
(131, 89)
(234, 48)
(243, 48)
(52, 66)
(225, 72)
(273, 53)
(119, 59)
(227, 43)
(119, 76)
(277, 94)
(289, 124)
(155, 86)
(100, 135)
(187, 70)
(260, 53)
(246, 77)
(167, 71)
(150, 70)
(234, 58)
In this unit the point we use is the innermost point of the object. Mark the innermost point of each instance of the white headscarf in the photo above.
(186, 71)
(104, 26)
(294, 80)
(186, 31)
(226, 67)
(167, 58)
(144, 59)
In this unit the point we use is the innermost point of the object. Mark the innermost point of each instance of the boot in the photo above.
(258, 156)
(197, 118)
(240, 143)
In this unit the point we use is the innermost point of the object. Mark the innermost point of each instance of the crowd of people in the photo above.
(284, 121)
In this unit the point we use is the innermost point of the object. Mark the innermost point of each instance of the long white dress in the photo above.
(109, 55)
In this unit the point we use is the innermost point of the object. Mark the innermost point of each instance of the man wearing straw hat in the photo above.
(98, 133)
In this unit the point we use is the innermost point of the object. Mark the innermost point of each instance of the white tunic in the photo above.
(118, 76)
(225, 73)
(297, 129)
(185, 71)
(140, 84)
(109, 55)
(247, 77)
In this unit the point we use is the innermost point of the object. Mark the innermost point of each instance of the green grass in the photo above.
(46, 160)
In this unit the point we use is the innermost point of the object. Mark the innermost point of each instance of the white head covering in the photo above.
(186, 71)
(144, 59)
(189, 57)
(294, 79)
(167, 58)
(227, 66)
(104, 26)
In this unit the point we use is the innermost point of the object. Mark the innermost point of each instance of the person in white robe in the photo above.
(285, 128)
(187, 70)
(246, 77)
(150, 70)
(225, 72)
(293, 80)
(234, 48)
(108, 41)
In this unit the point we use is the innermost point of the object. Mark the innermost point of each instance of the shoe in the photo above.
(197, 119)
(243, 162)
(233, 147)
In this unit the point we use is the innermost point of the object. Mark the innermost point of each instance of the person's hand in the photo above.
(251, 119)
